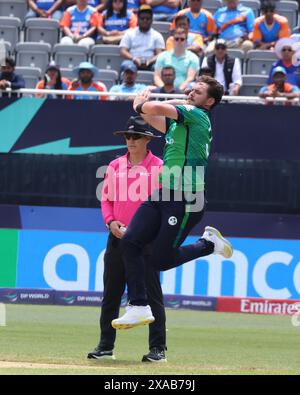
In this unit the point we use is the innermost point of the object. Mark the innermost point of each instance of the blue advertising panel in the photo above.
(60, 260)
(73, 261)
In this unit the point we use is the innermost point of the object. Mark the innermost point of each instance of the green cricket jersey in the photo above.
(186, 151)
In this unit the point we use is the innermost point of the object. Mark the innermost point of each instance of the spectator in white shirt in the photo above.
(142, 44)
(225, 69)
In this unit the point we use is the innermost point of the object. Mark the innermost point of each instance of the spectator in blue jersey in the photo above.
(79, 24)
(142, 44)
(163, 10)
(114, 21)
(194, 41)
(99, 5)
(285, 49)
(134, 5)
(45, 9)
(280, 87)
(235, 24)
(85, 75)
(269, 27)
(201, 20)
(129, 74)
(53, 80)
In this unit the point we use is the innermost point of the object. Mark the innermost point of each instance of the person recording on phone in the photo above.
(53, 80)
(142, 44)
(140, 166)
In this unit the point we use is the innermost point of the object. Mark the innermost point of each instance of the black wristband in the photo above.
(138, 108)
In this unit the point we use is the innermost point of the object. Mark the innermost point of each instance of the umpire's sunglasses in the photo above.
(134, 136)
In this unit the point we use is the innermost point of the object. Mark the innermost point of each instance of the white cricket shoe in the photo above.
(222, 246)
(134, 316)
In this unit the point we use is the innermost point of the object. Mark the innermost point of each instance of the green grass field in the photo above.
(55, 340)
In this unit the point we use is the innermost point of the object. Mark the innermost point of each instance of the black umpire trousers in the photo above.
(165, 223)
(114, 285)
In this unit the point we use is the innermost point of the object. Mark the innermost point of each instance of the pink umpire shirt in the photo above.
(126, 186)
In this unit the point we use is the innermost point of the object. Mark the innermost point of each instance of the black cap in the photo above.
(52, 66)
(221, 42)
(137, 125)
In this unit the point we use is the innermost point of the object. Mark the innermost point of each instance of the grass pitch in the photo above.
(55, 340)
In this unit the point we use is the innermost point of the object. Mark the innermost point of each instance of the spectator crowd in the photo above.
(198, 43)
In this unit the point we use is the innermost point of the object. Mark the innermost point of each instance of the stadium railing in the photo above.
(64, 93)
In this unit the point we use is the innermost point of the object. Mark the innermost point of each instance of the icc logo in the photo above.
(172, 221)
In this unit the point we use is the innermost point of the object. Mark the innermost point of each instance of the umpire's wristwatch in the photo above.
(108, 224)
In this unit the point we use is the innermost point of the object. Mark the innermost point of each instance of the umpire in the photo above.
(121, 197)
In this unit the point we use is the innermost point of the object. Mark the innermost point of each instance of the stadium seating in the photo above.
(33, 55)
(42, 30)
(254, 4)
(7, 46)
(260, 62)
(10, 29)
(296, 29)
(67, 73)
(163, 28)
(212, 5)
(237, 53)
(145, 77)
(252, 84)
(31, 75)
(108, 77)
(289, 9)
(69, 56)
(106, 57)
(13, 8)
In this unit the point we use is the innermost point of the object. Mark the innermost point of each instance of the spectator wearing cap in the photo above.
(79, 24)
(53, 80)
(163, 10)
(269, 27)
(85, 74)
(142, 44)
(8, 78)
(225, 69)
(129, 74)
(194, 41)
(168, 75)
(235, 23)
(185, 63)
(201, 20)
(45, 9)
(279, 86)
(286, 50)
